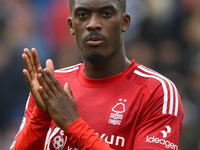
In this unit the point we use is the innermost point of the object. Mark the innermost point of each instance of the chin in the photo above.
(94, 58)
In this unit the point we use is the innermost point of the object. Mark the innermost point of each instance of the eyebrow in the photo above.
(107, 7)
(82, 8)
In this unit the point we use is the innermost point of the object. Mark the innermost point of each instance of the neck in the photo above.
(112, 65)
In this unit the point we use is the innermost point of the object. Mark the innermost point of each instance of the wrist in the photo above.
(67, 123)
(74, 125)
(42, 113)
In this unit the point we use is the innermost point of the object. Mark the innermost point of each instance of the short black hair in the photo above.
(123, 3)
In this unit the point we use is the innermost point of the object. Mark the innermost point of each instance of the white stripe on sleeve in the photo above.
(171, 90)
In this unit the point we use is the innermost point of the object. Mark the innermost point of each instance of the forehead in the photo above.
(95, 4)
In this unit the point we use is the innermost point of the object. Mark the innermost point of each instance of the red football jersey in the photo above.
(137, 109)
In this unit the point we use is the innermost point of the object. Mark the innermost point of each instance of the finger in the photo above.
(45, 97)
(69, 92)
(28, 53)
(54, 82)
(27, 78)
(45, 82)
(50, 66)
(28, 65)
(36, 58)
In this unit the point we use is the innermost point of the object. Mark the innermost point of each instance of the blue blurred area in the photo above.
(164, 35)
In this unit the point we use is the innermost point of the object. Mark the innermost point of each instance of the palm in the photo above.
(32, 65)
(34, 85)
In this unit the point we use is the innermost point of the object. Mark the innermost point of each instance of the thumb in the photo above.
(50, 66)
(68, 90)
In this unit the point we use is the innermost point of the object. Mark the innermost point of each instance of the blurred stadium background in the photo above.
(164, 35)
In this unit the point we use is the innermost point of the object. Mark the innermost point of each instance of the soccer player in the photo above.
(107, 102)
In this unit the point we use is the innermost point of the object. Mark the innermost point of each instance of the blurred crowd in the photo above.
(164, 35)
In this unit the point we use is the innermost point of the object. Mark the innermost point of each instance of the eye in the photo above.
(82, 15)
(106, 14)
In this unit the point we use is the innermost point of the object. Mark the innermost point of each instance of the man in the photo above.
(112, 103)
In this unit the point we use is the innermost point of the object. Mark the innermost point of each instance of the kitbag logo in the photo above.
(165, 132)
(163, 142)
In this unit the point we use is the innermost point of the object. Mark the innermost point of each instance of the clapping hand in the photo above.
(32, 64)
(59, 102)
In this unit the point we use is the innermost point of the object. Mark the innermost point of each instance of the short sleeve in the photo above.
(161, 122)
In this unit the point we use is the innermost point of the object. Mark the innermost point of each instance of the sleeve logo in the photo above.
(167, 144)
(164, 132)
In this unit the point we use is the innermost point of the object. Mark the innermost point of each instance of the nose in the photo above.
(94, 23)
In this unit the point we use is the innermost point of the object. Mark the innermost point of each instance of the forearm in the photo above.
(34, 134)
(84, 137)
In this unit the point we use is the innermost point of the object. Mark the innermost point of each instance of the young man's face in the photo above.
(97, 25)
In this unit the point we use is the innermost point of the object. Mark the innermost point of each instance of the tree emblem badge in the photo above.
(116, 117)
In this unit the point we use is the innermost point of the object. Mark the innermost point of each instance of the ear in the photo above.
(125, 22)
(70, 26)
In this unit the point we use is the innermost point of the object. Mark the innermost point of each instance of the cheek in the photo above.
(79, 29)
(115, 34)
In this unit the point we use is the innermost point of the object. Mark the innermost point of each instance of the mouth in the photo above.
(94, 41)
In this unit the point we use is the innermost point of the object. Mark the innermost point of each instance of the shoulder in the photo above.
(143, 76)
(162, 91)
(152, 79)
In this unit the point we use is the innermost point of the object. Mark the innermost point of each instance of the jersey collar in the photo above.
(105, 82)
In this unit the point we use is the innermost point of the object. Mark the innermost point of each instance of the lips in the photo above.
(94, 40)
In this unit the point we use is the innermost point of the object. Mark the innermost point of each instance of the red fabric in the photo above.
(137, 109)
(33, 136)
(84, 137)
